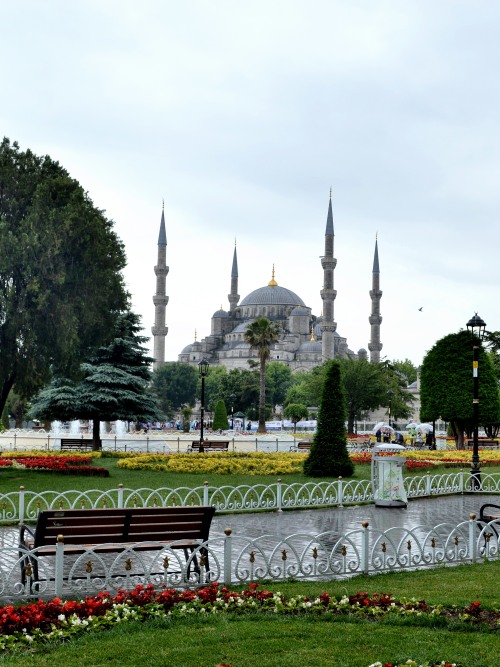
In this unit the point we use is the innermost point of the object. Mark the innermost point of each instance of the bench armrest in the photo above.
(23, 528)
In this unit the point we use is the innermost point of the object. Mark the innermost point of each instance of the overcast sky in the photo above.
(242, 115)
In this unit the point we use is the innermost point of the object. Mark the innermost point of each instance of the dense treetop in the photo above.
(60, 272)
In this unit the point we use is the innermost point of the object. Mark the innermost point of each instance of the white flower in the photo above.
(61, 617)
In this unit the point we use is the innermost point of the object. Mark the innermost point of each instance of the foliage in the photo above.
(60, 272)
(114, 383)
(174, 385)
(261, 334)
(307, 387)
(278, 381)
(295, 412)
(406, 368)
(220, 417)
(328, 455)
(365, 388)
(447, 384)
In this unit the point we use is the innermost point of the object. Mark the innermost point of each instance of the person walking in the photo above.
(412, 433)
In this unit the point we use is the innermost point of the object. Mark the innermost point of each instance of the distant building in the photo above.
(306, 340)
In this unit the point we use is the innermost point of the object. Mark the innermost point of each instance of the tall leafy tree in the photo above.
(278, 380)
(365, 388)
(114, 385)
(295, 412)
(307, 387)
(446, 385)
(261, 334)
(174, 384)
(329, 455)
(60, 272)
(407, 368)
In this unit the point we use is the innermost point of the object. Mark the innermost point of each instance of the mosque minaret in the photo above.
(375, 318)
(160, 299)
(234, 297)
(328, 294)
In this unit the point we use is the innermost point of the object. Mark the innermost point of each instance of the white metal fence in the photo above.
(234, 558)
(24, 505)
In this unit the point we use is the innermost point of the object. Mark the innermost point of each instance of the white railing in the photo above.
(238, 559)
(24, 505)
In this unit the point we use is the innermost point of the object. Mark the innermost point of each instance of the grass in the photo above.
(11, 479)
(276, 641)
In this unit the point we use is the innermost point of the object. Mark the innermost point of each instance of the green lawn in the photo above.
(277, 641)
(11, 479)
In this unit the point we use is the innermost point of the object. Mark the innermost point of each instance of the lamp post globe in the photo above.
(477, 327)
(203, 369)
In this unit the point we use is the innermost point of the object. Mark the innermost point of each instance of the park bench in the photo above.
(301, 446)
(210, 446)
(488, 513)
(487, 443)
(109, 531)
(76, 444)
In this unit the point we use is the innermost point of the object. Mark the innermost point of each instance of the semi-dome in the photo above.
(220, 313)
(272, 295)
(299, 310)
(311, 346)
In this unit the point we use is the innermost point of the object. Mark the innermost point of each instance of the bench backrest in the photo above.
(137, 524)
(211, 444)
(76, 442)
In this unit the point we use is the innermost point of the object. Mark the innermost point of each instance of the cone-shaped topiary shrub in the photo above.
(328, 456)
(220, 417)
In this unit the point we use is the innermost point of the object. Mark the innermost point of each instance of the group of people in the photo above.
(415, 438)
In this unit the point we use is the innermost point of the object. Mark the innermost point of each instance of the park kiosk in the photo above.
(387, 476)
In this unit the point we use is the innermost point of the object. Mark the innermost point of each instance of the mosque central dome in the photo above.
(272, 295)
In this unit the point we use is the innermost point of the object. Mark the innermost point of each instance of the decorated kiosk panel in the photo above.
(387, 476)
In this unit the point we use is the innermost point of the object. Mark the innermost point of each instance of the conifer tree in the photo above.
(328, 456)
(220, 417)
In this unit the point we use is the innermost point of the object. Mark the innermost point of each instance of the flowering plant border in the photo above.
(38, 623)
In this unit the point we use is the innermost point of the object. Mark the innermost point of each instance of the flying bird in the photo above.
(420, 309)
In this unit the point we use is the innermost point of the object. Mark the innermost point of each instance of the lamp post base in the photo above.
(475, 475)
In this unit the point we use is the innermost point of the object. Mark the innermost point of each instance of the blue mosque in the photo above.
(306, 341)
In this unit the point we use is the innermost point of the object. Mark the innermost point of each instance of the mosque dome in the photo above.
(272, 295)
(187, 349)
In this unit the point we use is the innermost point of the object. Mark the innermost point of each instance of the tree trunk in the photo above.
(96, 435)
(262, 398)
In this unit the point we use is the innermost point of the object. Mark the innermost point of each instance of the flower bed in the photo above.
(68, 465)
(244, 463)
(56, 620)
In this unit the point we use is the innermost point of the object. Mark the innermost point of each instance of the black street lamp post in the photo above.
(203, 368)
(232, 398)
(390, 394)
(477, 327)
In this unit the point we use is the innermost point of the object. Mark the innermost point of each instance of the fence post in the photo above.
(278, 496)
(21, 504)
(147, 444)
(428, 484)
(15, 438)
(228, 556)
(205, 494)
(364, 547)
(256, 444)
(277, 445)
(59, 570)
(340, 492)
(178, 444)
(472, 538)
(233, 443)
(120, 496)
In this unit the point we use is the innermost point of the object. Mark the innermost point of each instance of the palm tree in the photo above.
(260, 335)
